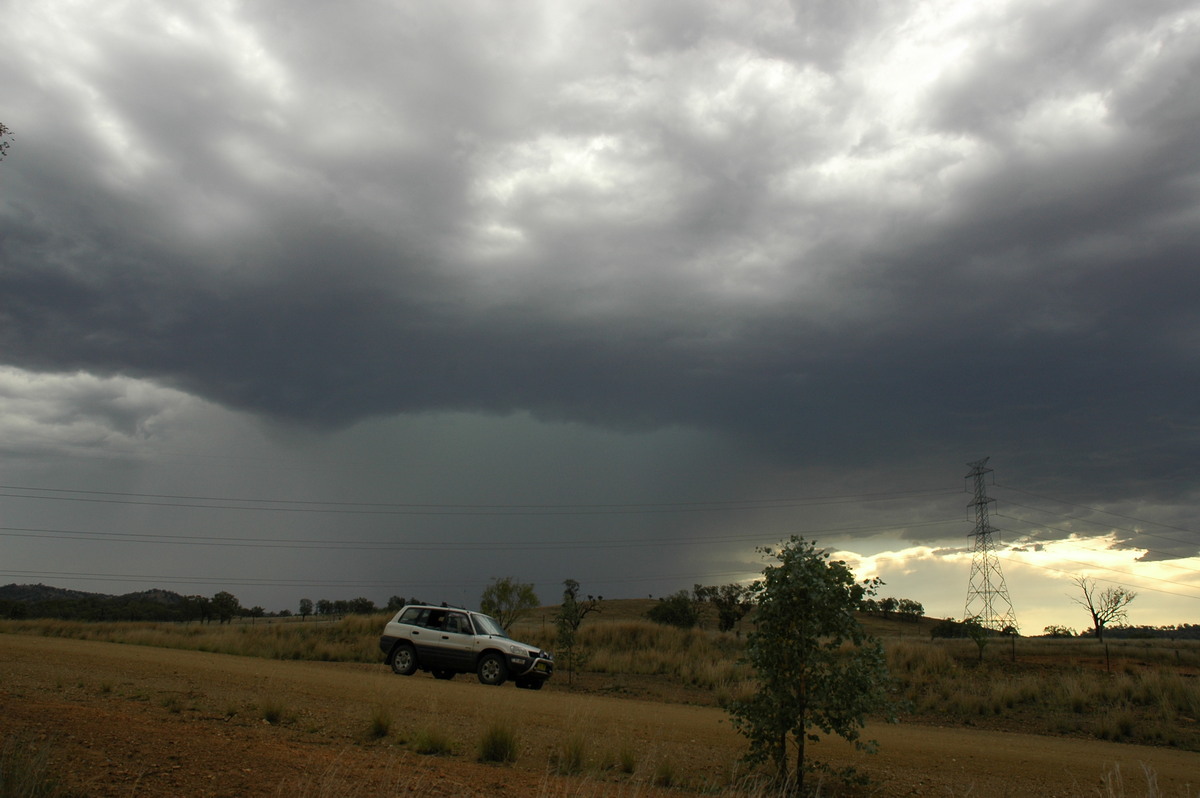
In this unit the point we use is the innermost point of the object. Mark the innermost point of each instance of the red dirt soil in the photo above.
(126, 721)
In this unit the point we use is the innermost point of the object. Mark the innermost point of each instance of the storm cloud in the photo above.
(869, 241)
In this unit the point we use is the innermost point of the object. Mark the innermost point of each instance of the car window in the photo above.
(412, 615)
(457, 622)
(488, 626)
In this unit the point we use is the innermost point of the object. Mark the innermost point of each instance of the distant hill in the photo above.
(46, 601)
(39, 592)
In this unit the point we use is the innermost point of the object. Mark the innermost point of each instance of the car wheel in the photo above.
(404, 660)
(492, 669)
(443, 674)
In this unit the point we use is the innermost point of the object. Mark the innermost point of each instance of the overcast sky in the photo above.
(370, 299)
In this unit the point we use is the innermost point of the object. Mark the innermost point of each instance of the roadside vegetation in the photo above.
(1147, 691)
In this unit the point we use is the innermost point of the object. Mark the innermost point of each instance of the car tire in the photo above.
(404, 659)
(443, 674)
(492, 669)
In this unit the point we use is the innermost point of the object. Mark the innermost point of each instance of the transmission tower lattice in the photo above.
(987, 595)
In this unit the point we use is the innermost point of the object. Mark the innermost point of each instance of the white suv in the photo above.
(447, 641)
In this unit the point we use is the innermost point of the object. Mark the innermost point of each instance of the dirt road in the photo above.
(139, 721)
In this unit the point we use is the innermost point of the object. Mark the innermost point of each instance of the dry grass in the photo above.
(694, 658)
(1057, 688)
(351, 639)
(432, 741)
(1151, 696)
(25, 770)
(380, 723)
(334, 704)
(498, 743)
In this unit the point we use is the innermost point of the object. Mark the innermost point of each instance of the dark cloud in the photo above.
(843, 238)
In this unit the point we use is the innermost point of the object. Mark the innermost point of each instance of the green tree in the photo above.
(980, 635)
(732, 602)
(677, 609)
(570, 616)
(817, 669)
(506, 600)
(910, 610)
(306, 608)
(197, 607)
(948, 627)
(225, 606)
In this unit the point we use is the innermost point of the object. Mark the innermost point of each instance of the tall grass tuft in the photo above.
(432, 742)
(571, 757)
(498, 744)
(627, 759)
(664, 773)
(25, 771)
(380, 724)
(272, 711)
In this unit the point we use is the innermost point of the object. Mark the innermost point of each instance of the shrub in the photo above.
(677, 609)
(948, 628)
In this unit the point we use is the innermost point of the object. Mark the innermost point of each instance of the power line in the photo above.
(1105, 512)
(323, 583)
(1110, 527)
(1076, 544)
(1012, 559)
(1098, 567)
(405, 508)
(440, 544)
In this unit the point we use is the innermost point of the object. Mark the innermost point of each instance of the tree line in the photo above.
(19, 602)
(731, 603)
(40, 601)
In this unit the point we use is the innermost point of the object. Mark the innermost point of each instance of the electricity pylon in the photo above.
(987, 595)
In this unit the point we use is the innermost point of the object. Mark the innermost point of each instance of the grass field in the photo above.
(1139, 691)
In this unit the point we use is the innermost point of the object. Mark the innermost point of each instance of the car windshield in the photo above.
(488, 626)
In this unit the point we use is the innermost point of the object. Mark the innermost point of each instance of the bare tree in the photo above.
(570, 616)
(1106, 607)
